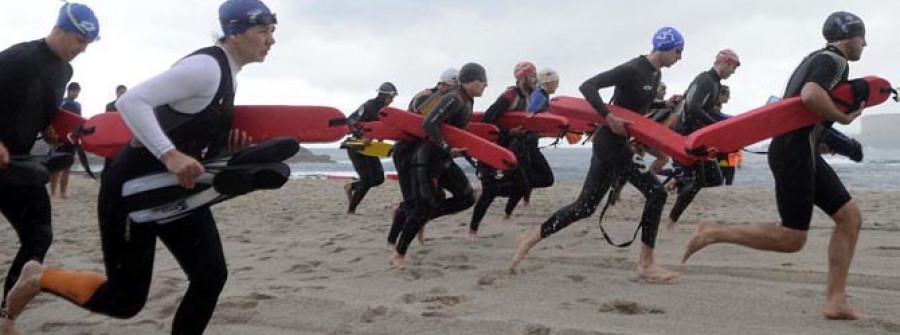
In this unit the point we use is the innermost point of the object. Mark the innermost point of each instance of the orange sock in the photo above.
(76, 286)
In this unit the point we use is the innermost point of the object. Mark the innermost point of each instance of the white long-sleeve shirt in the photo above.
(188, 87)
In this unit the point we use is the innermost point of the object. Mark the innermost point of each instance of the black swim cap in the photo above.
(843, 25)
(387, 88)
(471, 72)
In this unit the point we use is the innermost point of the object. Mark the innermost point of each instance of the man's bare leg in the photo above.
(54, 180)
(421, 236)
(525, 243)
(768, 237)
(648, 269)
(63, 183)
(348, 189)
(840, 254)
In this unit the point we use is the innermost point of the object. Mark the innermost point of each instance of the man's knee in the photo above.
(848, 216)
(791, 240)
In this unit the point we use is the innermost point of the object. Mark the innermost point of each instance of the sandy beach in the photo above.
(299, 265)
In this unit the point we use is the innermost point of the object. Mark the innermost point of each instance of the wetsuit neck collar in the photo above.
(649, 63)
(835, 49)
(465, 95)
(715, 74)
(45, 48)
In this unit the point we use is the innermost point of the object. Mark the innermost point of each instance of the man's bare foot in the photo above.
(524, 244)
(526, 203)
(472, 235)
(391, 247)
(421, 236)
(506, 217)
(697, 241)
(27, 287)
(841, 311)
(670, 224)
(398, 260)
(8, 327)
(63, 196)
(656, 273)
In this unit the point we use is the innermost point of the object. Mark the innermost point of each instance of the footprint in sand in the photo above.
(629, 308)
(62, 327)
(804, 293)
(536, 330)
(304, 268)
(437, 302)
(879, 324)
(373, 313)
(411, 274)
(576, 278)
(237, 310)
(579, 332)
(884, 251)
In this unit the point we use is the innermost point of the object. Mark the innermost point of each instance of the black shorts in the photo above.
(803, 179)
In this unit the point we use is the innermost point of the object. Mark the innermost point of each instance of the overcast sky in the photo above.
(336, 52)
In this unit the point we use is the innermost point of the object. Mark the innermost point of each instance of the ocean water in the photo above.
(878, 171)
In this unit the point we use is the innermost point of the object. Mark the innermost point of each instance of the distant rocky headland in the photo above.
(303, 156)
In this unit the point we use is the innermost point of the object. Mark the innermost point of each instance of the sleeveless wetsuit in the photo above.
(802, 177)
(194, 107)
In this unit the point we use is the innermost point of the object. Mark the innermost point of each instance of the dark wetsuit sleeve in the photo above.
(697, 97)
(11, 76)
(590, 88)
(493, 113)
(445, 109)
(824, 72)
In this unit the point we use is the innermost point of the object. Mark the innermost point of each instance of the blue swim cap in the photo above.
(79, 19)
(236, 16)
(667, 38)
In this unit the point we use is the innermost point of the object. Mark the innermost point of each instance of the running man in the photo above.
(434, 160)
(700, 110)
(178, 117)
(802, 178)
(369, 169)
(635, 84)
(422, 103)
(33, 77)
(512, 183)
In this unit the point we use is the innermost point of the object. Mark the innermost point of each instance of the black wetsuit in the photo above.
(32, 82)
(433, 169)
(402, 156)
(635, 86)
(701, 99)
(802, 177)
(369, 169)
(512, 183)
(129, 248)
